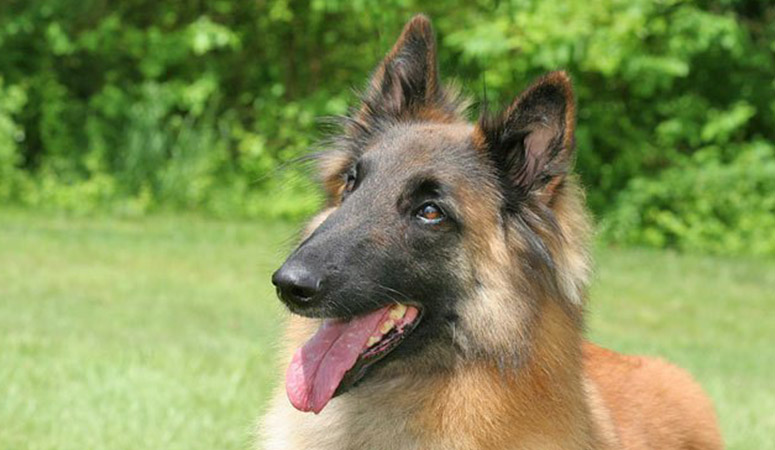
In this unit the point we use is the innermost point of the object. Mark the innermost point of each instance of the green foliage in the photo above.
(647, 75)
(11, 101)
(703, 205)
(137, 105)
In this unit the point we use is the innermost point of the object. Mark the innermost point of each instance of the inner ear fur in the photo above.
(408, 76)
(405, 85)
(531, 141)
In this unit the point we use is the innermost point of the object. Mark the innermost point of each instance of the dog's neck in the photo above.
(541, 404)
(476, 405)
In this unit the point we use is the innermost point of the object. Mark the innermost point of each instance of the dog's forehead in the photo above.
(420, 147)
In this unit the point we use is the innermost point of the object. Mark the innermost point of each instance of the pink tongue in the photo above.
(318, 367)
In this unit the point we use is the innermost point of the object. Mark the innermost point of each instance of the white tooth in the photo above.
(387, 326)
(372, 340)
(398, 311)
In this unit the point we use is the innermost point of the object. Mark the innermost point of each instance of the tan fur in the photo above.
(475, 406)
(653, 404)
(568, 394)
(518, 374)
(614, 402)
(331, 168)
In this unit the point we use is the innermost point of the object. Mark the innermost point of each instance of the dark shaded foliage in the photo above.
(138, 105)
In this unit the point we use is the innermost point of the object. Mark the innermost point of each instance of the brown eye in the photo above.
(430, 213)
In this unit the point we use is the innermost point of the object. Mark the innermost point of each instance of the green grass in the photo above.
(156, 333)
(714, 316)
(159, 332)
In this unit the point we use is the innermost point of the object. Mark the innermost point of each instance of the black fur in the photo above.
(541, 109)
(372, 250)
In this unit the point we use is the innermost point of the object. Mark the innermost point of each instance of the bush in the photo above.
(143, 105)
(11, 177)
(705, 205)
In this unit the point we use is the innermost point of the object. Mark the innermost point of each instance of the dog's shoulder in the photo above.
(653, 404)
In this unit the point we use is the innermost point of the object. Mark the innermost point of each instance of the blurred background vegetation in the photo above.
(136, 137)
(136, 106)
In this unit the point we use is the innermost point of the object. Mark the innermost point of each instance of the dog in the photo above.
(438, 297)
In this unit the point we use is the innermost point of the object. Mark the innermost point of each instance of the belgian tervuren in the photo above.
(438, 298)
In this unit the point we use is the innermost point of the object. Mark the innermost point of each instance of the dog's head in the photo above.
(440, 238)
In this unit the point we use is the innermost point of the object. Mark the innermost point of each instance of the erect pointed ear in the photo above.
(531, 142)
(406, 81)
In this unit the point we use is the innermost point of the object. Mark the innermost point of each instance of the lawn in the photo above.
(159, 332)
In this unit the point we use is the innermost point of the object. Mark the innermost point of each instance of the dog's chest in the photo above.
(346, 423)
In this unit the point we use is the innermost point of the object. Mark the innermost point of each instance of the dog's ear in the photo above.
(531, 142)
(406, 81)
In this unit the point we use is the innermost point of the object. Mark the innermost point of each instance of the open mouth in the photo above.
(341, 352)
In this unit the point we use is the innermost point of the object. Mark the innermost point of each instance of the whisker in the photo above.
(389, 289)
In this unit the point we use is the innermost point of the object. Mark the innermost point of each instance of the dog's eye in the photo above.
(430, 213)
(349, 182)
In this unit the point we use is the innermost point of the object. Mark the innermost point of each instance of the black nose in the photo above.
(296, 285)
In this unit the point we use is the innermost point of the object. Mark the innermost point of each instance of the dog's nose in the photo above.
(296, 285)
